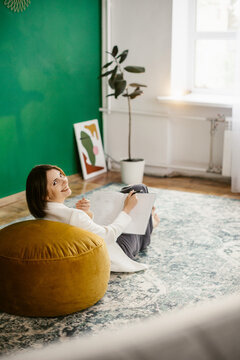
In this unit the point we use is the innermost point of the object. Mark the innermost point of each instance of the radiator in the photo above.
(227, 149)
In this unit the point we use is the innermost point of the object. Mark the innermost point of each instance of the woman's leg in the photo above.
(131, 244)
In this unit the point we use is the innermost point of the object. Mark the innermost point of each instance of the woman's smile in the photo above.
(66, 189)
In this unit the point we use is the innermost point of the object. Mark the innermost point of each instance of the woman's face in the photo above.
(57, 186)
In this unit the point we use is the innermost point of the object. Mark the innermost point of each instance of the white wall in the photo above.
(166, 136)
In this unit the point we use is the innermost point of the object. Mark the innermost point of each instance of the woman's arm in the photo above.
(109, 232)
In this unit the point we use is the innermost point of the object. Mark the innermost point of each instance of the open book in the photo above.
(106, 205)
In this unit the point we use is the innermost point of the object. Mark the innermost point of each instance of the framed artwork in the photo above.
(90, 148)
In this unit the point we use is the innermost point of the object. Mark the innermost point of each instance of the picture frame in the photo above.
(90, 148)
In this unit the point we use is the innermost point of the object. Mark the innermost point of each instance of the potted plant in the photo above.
(132, 169)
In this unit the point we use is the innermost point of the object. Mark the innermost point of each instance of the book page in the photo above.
(106, 205)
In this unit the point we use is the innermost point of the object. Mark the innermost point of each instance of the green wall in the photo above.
(49, 63)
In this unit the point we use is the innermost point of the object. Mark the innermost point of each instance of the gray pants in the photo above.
(131, 244)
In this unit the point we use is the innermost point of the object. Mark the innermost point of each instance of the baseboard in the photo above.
(161, 171)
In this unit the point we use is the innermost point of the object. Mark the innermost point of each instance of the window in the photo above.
(208, 45)
(214, 44)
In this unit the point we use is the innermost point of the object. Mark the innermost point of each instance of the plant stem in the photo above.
(129, 127)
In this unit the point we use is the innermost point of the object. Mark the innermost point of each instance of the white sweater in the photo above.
(120, 262)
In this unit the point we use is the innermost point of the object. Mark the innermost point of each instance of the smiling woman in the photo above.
(47, 188)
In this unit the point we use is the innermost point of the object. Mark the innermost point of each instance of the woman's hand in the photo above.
(84, 205)
(130, 202)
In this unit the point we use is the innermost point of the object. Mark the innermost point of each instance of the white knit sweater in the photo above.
(120, 262)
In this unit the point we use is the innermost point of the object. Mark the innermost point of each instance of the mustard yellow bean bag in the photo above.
(49, 268)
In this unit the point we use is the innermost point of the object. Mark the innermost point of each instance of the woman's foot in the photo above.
(155, 218)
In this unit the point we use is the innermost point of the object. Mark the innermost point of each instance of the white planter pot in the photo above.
(132, 171)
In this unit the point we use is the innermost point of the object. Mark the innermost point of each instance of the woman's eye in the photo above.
(54, 183)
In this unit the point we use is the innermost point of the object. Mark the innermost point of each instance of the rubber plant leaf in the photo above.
(137, 85)
(123, 56)
(120, 86)
(108, 64)
(106, 73)
(135, 69)
(135, 93)
(114, 50)
(113, 78)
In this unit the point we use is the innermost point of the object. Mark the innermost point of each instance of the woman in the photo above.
(47, 188)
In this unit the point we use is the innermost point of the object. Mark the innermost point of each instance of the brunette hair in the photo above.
(36, 189)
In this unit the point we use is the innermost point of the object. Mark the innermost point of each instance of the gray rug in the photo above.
(194, 256)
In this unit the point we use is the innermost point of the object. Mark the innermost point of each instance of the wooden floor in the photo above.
(14, 206)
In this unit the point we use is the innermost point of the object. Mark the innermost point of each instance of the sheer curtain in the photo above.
(235, 173)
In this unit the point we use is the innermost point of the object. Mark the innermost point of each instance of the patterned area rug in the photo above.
(194, 256)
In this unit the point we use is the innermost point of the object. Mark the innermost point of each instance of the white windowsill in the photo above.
(200, 100)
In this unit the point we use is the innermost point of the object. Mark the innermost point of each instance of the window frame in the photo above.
(195, 35)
